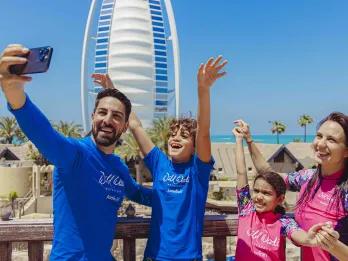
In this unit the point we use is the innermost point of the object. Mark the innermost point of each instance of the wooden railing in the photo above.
(35, 232)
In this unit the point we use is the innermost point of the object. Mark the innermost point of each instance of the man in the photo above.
(89, 180)
(180, 184)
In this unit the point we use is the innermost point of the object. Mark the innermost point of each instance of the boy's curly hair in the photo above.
(188, 124)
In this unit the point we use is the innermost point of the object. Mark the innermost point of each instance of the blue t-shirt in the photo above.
(88, 188)
(178, 205)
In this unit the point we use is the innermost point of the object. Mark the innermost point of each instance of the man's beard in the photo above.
(103, 140)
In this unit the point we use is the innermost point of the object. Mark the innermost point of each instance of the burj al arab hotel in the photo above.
(133, 41)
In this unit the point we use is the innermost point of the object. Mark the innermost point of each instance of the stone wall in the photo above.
(15, 179)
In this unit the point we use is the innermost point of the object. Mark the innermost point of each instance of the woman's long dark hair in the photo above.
(341, 191)
(277, 183)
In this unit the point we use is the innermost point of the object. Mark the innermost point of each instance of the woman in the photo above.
(323, 191)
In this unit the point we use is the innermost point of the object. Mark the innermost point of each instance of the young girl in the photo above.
(262, 225)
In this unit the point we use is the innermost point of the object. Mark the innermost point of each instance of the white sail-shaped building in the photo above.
(131, 44)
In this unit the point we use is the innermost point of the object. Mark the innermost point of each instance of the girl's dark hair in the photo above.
(341, 191)
(277, 183)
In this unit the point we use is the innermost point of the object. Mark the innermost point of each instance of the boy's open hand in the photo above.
(211, 71)
(133, 121)
(103, 80)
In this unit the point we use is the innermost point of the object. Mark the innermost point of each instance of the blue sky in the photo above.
(286, 58)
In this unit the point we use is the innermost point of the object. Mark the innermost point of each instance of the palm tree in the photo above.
(129, 150)
(278, 128)
(303, 121)
(159, 133)
(21, 136)
(8, 129)
(69, 129)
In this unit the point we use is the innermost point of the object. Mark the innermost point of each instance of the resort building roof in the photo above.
(283, 158)
(14, 152)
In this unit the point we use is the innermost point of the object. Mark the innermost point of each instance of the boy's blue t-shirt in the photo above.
(178, 206)
(88, 188)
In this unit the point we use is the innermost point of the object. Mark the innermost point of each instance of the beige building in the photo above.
(32, 183)
(15, 170)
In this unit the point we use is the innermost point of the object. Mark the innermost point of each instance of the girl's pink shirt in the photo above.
(261, 236)
(322, 208)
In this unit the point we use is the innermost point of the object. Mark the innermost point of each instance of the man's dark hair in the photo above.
(117, 95)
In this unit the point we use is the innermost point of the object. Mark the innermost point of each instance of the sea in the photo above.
(268, 139)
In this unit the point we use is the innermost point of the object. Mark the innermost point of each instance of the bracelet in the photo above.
(249, 141)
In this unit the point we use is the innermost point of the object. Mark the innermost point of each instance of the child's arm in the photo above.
(242, 179)
(140, 135)
(303, 238)
(137, 192)
(207, 74)
(135, 126)
(259, 161)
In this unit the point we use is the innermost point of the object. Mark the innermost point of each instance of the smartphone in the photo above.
(38, 61)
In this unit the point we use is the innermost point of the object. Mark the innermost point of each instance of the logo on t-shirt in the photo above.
(112, 184)
(175, 182)
(326, 198)
(263, 239)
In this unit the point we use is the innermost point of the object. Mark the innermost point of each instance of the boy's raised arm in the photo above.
(207, 75)
(140, 135)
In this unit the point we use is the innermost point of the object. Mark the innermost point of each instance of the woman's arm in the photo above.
(328, 240)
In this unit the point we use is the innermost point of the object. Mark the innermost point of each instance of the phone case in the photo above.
(38, 61)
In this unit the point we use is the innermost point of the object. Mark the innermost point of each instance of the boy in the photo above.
(180, 184)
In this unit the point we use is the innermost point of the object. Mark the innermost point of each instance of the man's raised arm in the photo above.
(56, 148)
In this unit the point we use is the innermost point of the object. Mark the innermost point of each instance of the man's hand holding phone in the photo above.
(12, 85)
(38, 61)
